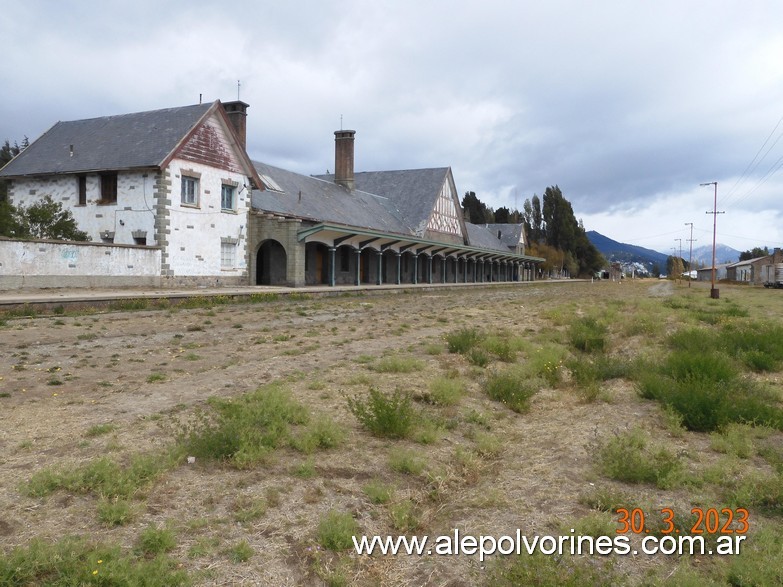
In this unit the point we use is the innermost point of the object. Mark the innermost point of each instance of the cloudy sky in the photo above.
(627, 105)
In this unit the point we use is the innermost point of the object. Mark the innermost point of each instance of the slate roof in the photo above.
(317, 199)
(510, 234)
(399, 202)
(126, 141)
(413, 191)
(479, 236)
(748, 261)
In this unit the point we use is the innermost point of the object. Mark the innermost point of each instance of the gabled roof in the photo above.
(510, 234)
(413, 191)
(397, 202)
(319, 200)
(483, 238)
(126, 141)
(749, 261)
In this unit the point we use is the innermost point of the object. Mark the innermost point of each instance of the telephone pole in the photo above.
(679, 260)
(714, 293)
(690, 254)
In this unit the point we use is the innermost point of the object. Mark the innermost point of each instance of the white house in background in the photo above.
(178, 179)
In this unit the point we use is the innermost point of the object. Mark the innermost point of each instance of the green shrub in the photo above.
(76, 561)
(335, 530)
(99, 430)
(246, 430)
(511, 388)
(154, 541)
(757, 491)
(321, 432)
(241, 552)
(628, 457)
(378, 492)
(446, 391)
(501, 347)
(461, 341)
(103, 477)
(389, 415)
(586, 369)
(478, 356)
(397, 364)
(405, 516)
(588, 335)
(548, 571)
(116, 512)
(406, 461)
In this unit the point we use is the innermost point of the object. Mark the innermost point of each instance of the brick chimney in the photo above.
(343, 158)
(237, 114)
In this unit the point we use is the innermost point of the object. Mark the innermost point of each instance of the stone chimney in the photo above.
(343, 158)
(237, 114)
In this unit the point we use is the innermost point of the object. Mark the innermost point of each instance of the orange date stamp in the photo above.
(707, 521)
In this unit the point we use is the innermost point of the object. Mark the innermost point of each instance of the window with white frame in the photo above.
(228, 255)
(228, 197)
(189, 190)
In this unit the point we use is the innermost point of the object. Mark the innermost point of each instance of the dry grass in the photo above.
(481, 467)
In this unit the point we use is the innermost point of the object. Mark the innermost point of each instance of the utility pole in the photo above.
(690, 255)
(679, 260)
(714, 293)
(674, 265)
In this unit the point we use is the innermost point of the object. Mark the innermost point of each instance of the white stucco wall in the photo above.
(194, 241)
(59, 264)
(133, 211)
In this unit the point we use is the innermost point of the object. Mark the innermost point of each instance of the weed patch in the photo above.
(244, 431)
(390, 415)
(76, 561)
(336, 530)
(512, 388)
(629, 457)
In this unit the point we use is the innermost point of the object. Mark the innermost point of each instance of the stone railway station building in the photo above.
(171, 198)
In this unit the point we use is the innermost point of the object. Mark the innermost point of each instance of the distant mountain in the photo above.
(625, 253)
(723, 254)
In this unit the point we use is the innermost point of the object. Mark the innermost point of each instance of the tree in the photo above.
(754, 253)
(45, 219)
(502, 215)
(477, 211)
(8, 152)
(675, 266)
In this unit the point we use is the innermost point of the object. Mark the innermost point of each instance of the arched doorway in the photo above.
(271, 264)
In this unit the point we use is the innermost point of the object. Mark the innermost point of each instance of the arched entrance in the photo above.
(271, 264)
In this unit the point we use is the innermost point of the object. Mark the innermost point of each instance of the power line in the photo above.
(753, 165)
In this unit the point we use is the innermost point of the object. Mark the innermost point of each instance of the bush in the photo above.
(446, 391)
(336, 530)
(386, 415)
(245, 430)
(511, 388)
(628, 457)
(463, 340)
(154, 541)
(588, 335)
(378, 492)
